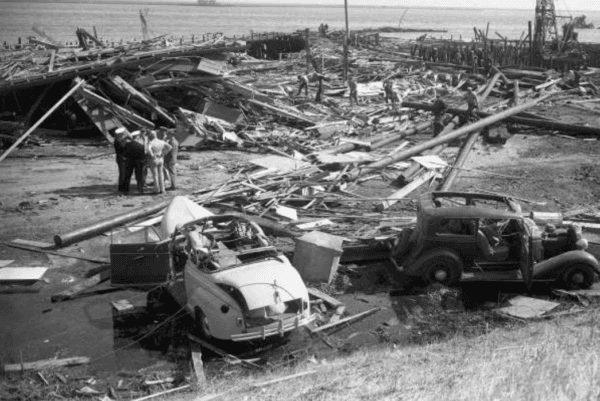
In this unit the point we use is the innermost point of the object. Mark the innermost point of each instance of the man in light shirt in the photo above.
(157, 149)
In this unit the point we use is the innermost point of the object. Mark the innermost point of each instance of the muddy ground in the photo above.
(70, 182)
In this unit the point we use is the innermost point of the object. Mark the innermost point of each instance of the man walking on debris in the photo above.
(171, 159)
(388, 88)
(472, 103)
(157, 149)
(303, 80)
(353, 90)
(439, 111)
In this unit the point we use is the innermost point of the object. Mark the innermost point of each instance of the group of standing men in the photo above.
(140, 151)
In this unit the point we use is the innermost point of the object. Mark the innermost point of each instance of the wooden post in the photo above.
(307, 33)
(346, 42)
(529, 25)
(515, 92)
(41, 120)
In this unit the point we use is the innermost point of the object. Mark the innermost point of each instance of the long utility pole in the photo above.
(346, 42)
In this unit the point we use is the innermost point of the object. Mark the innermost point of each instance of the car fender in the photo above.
(553, 267)
(416, 268)
(222, 325)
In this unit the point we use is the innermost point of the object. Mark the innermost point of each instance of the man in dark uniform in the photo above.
(439, 111)
(120, 134)
(135, 155)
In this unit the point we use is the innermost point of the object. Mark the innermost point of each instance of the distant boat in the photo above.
(206, 2)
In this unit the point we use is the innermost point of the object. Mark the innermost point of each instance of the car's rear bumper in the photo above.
(279, 328)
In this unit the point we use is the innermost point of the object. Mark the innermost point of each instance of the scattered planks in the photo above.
(78, 288)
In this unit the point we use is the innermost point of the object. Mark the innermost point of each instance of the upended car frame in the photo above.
(221, 268)
(463, 236)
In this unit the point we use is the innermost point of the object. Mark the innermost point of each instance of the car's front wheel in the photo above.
(443, 269)
(579, 276)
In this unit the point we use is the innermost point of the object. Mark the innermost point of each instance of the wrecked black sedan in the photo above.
(480, 237)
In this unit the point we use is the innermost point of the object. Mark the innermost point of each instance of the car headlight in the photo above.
(582, 244)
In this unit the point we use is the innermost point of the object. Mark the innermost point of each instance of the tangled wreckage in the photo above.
(223, 253)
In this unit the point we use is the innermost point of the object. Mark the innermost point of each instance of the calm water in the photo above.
(116, 21)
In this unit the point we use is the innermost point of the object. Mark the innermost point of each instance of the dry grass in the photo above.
(547, 360)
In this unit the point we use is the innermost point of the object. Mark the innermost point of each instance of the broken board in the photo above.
(21, 274)
(527, 308)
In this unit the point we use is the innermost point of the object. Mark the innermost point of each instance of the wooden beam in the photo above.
(78, 288)
(407, 189)
(41, 120)
(344, 320)
(46, 364)
(327, 298)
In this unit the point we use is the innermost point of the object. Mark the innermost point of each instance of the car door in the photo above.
(526, 259)
(140, 264)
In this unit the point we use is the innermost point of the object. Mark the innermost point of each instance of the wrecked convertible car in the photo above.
(479, 237)
(222, 269)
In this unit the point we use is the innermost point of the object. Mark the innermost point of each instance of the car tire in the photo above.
(578, 277)
(201, 322)
(442, 268)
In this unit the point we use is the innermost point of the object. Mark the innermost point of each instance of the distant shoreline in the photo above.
(226, 4)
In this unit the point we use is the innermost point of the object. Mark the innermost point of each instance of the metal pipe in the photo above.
(476, 126)
(62, 240)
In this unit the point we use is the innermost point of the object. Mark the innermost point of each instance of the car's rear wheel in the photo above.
(442, 269)
(201, 322)
(579, 276)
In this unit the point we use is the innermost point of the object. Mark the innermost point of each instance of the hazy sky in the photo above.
(525, 4)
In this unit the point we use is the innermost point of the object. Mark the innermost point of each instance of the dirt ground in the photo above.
(68, 183)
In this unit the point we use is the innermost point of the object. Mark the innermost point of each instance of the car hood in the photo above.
(259, 282)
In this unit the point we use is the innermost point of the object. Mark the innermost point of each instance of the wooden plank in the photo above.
(4, 263)
(344, 320)
(22, 273)
(407, 189)
(148, 397)
(58, 253)
(46, 364)
(198, 365)
(285, 378)
(36, 244)
(327, 298)
(78, 288)
(42, 119)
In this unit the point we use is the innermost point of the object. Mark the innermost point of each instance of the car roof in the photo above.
(428, 207)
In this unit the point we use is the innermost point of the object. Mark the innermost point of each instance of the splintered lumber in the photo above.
(62, 240)
(285, 378)
(130, 115)
(281, 112)
(78, 288)
(349, 146)
(446, 138)
(42, 119)
(327, 298)
(46, 364)
(407, 189)
(339, 311)
(344, 320)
